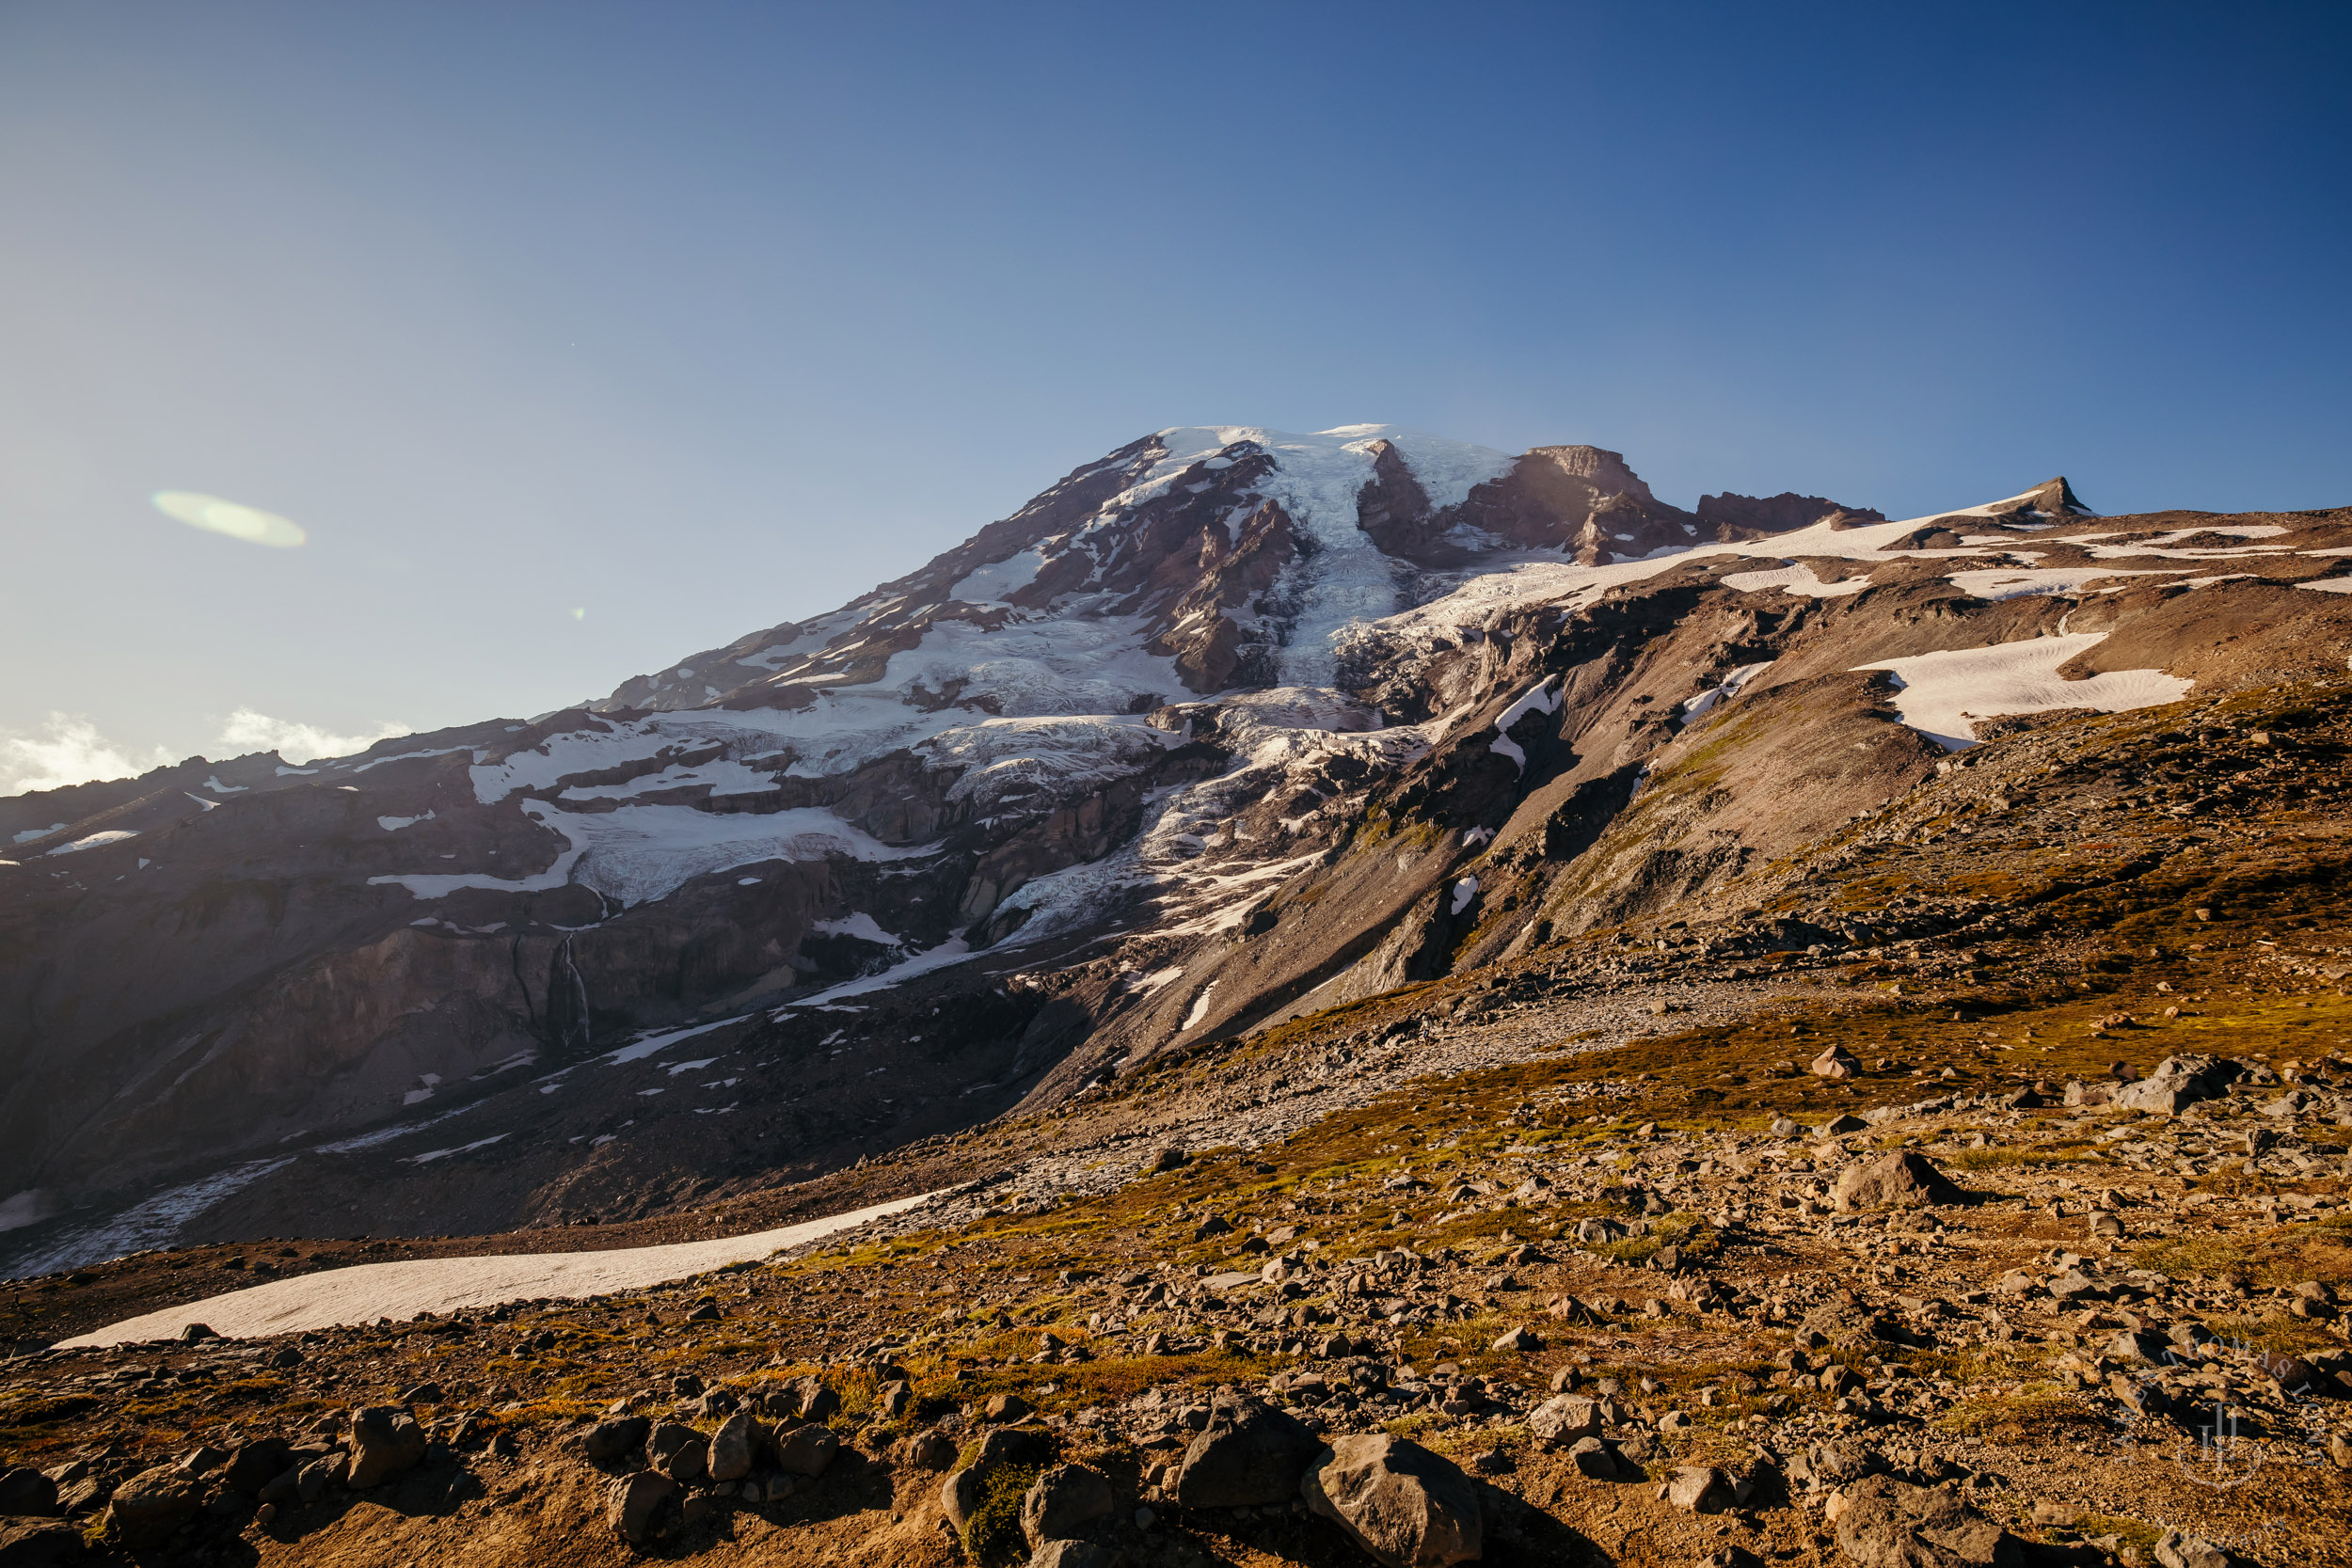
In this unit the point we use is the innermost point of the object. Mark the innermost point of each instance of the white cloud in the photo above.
(248, 731)
(68, 750)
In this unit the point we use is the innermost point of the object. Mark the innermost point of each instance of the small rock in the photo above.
(1520, 1340)
(1006, 1407)
(1166, 1159)
(1835, 1064)
(930, 1450)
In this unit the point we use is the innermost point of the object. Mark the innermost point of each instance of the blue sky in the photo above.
(700, 317)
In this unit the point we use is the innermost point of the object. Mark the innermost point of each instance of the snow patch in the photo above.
(1941, 694)
(1537, 700)
(1731, 687)
(1796, 577)
(95, 841)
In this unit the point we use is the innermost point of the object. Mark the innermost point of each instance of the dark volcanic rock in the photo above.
(1249, 1454)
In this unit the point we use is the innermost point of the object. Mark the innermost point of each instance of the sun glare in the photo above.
(253, 526)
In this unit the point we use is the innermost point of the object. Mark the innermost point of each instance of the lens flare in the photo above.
(212, 514)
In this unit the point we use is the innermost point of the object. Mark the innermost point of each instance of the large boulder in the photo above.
(1249, 1454)
(1567, 1418)
(2176, 1550)
(1890, 1524)
(146, 1508)
(961, 1493)
(1700, 1489)
(813, 1399)
(385, 1442)
(27, 1494)
(2176, 1082)
(255, 1465)
(610, 1439)
(679, 1451)
(1062, 1501)
(1405, 1506)
(1899, 1180)
(38, 1543)
(736, 1446)
(641, 1506)
(805, 1451)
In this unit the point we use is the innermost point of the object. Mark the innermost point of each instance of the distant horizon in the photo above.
(368, 371)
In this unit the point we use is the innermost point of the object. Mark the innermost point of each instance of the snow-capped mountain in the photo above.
(1229, 723)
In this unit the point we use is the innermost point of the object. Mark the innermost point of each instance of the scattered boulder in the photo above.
(1597, 1461)
(810, 1400)
(385, 1442)
(613, 1438)
(1567, 1418)
(2176, 1550)
(1886, 1523)
(734, 1445)
(1700, 1489)
(255, 1465)
(961, 1493)
(1835, 1064)
(2176, 1082)
(641, 1506)
(1062, 1501)
(1902, 1180)
(1519, 1341)
(1248, 1454)
(1166, 1159)
(805, 1451)
(1404, 1505)
(679, 1451)
(928, 1450)
(146, 1508)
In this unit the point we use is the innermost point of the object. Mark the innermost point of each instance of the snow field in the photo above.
(366, 1291)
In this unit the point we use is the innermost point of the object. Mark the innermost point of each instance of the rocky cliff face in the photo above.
(1230, 724)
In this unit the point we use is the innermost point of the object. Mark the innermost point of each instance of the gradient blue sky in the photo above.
(700, 317)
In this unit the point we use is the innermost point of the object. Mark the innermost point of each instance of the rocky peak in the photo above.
(1736, 516)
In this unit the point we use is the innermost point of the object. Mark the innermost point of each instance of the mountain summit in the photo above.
(1224, 727)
